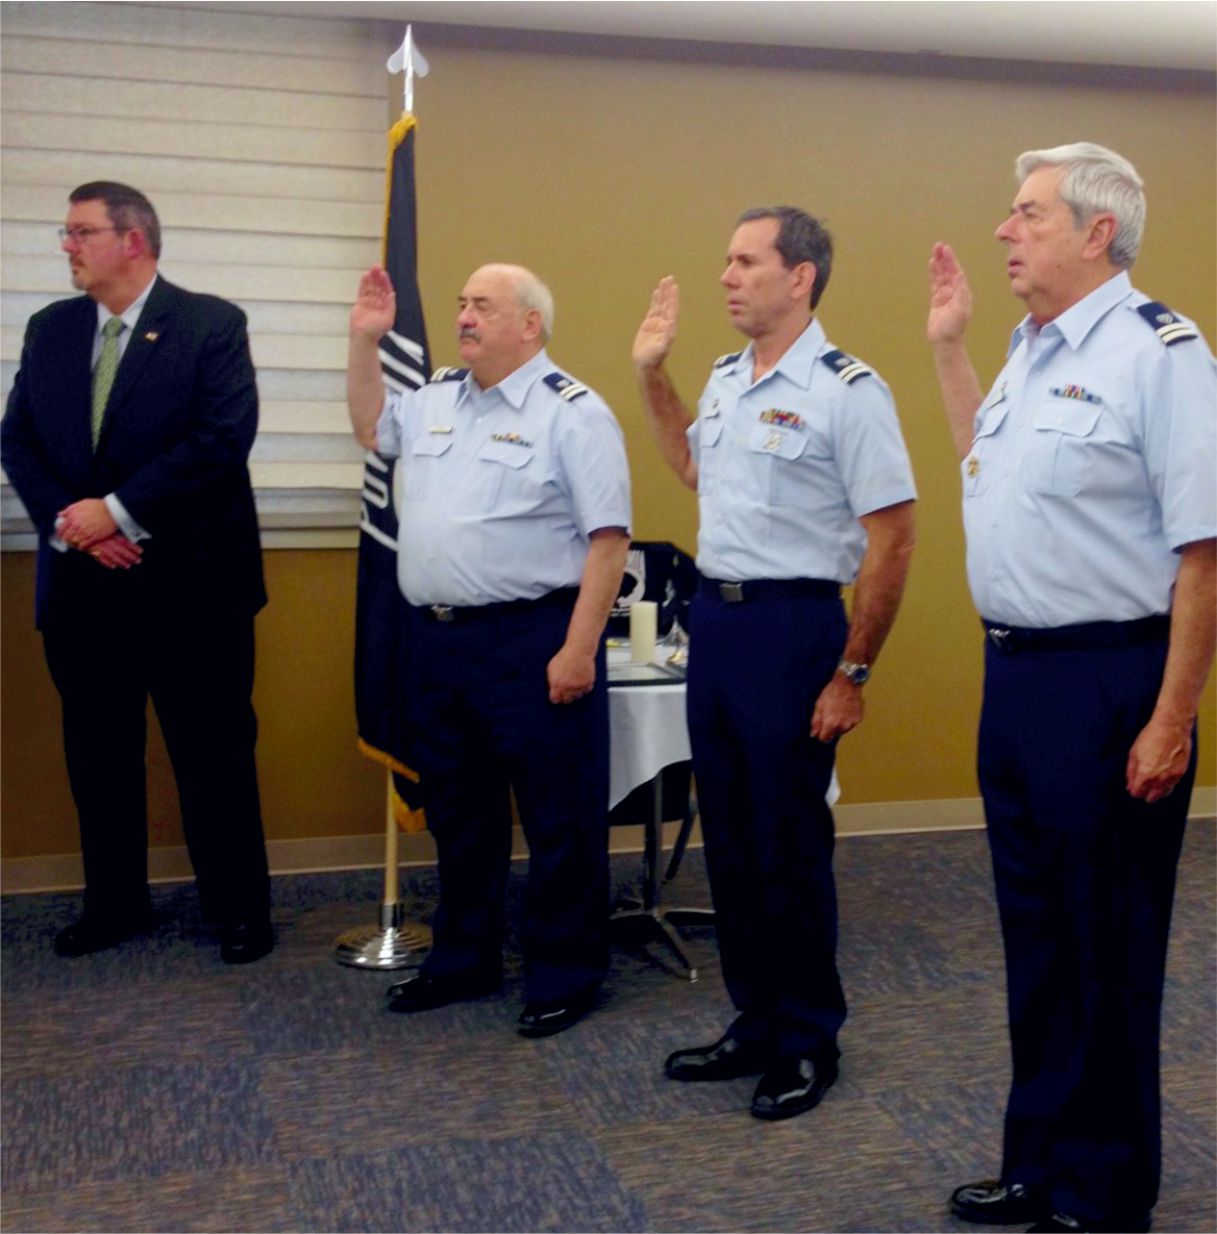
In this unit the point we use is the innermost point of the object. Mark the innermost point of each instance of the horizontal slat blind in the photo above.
(260, 140)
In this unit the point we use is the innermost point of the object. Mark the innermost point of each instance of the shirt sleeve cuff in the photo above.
(126, 524)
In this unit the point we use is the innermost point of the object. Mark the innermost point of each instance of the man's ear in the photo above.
(135, 243)
(1101, 231)
(532, 324)
(804, 280)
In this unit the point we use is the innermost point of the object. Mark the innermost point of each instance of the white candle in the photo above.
(644, 617)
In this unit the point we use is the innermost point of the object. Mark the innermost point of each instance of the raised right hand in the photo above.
(658, 330)
(375, 307)
(950, 298)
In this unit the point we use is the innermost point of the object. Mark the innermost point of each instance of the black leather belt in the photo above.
(1088, 636)
(769, 589)
(500, 608)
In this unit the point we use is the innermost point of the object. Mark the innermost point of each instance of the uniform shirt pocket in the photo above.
(977, 468)
(709, 452)
(779, 454)
(504, 473)
(421, 465)
(1060, 452)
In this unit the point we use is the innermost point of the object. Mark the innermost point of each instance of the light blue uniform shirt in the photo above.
(1094, 459)
(499, 489)
(787, 464)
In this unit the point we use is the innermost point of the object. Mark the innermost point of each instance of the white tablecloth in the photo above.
(648, 732)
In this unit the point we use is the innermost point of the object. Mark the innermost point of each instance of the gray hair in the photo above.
(531, 293)
(1096, 181)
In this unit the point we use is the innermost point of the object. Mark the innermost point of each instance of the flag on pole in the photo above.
(381, 686)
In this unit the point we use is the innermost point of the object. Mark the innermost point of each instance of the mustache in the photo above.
(470, 332)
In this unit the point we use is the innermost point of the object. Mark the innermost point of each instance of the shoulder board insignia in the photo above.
(450, 374)
(1169, 328)
(563, 386)
(846, 367)
(729, 358)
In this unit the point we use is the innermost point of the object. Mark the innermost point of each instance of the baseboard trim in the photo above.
(63, 871)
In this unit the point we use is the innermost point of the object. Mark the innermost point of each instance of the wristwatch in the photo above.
(855, 673)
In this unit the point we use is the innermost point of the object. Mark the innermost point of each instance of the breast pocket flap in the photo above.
(1067, 416)
(509, 453)
(431, 445)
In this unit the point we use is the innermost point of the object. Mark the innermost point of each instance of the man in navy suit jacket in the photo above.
(149, 564)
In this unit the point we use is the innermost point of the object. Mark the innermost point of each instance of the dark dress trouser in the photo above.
(755, 671)
(483, 725)
(112, 641)
(1085, 879)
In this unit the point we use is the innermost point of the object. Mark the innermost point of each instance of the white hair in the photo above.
(531, 293)
(1096, 181)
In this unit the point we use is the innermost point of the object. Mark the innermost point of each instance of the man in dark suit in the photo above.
(126, 436)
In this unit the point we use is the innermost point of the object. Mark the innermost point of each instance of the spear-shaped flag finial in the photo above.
(407, 59)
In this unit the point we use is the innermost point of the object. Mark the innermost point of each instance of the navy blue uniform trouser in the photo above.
(1085, 880)
(483, 726)
(115, 645)
(755, 671)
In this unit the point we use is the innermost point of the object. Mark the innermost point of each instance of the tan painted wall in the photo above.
(604, 175)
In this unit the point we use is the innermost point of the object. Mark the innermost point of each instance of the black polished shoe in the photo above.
(726, 1059)
(1063, 1223)
(996, 1203)
(792, 1086)
(243, 942)
(542, 1019)
(422, 992)
(94, 932)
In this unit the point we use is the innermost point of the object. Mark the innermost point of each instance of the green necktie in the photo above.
(103, 374)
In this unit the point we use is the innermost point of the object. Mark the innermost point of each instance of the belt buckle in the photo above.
(442, 612)
(732, 593)
(997, 636)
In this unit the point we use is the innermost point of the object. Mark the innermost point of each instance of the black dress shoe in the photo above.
(422, 992)
(792, 1086)
(541, 1019)
(1063, 1223)
(996, 1203)
(243, 942)
(726, 1059)
(94, 932)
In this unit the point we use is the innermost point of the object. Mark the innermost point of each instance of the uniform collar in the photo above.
(515, 386)
(1077, 321)
(797, 361)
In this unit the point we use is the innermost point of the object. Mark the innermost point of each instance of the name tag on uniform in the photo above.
(440, 428)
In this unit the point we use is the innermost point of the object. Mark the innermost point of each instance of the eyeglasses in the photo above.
(80, 235)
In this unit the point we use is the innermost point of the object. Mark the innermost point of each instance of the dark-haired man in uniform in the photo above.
(803, 485)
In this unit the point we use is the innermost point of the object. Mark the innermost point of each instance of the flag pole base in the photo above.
(395, 943)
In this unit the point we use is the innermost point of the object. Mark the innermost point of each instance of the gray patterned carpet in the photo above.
(153, 1088)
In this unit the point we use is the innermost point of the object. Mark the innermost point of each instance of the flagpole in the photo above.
(396, 942)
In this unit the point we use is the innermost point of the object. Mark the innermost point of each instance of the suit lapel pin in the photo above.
(151, 336)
